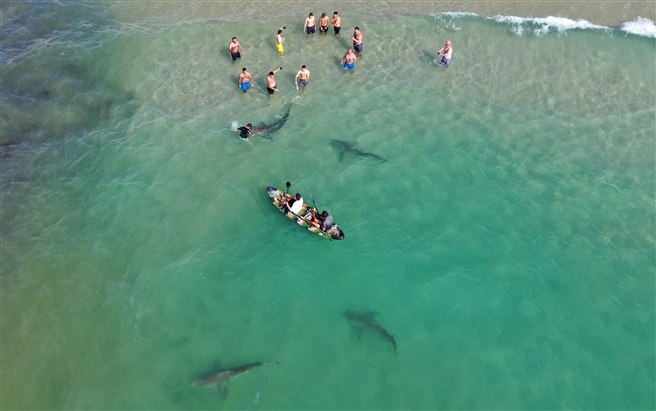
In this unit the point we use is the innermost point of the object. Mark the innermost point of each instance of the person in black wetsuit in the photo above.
(245, 131)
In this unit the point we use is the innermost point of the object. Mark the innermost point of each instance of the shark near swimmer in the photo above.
(218, 380)
(268, 129)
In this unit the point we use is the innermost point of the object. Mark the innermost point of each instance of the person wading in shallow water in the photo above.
(445, 52)
(271, 81)
(245, 131)
(337, 23)
(235, 48)
(349, 60)
(357, 40)
(310, 24)
(324, 23)
(245, 80)
(280, 39)
(304, 74)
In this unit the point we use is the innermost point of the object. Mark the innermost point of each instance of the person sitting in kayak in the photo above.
(326, 221)
(313, 217)
(293, 203)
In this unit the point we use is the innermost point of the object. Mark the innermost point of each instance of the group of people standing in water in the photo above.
(245, 81)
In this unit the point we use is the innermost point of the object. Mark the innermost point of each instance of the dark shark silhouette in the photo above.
(219, 379)
(344, 147)
(266, 130)
(366, 321)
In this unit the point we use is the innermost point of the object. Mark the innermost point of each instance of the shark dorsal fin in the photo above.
(217, 366)
(370, 315)
(360, 331)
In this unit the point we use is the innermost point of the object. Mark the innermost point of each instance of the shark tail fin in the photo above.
(222, 389)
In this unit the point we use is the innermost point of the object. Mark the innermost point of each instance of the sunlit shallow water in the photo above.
(507, 242)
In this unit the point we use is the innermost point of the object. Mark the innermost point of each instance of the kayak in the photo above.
(276, 196)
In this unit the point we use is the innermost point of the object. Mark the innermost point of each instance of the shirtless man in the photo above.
(324, 23)
(349, 60)
(357, 40)
(310, 25)
(235, 48)
(280, 39)
(337, 23)
(271, 81)
(445, 52)
(304, 74)
(245, 80)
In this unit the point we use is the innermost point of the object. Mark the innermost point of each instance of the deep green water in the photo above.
(507, 243)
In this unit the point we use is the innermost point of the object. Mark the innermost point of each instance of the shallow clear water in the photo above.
(507, 242)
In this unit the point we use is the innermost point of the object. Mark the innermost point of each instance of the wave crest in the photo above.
(640, 26)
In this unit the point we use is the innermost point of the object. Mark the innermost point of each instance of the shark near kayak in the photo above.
(276, 196)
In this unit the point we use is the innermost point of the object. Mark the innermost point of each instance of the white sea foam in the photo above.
(454, 14)
(542, 25)
(545, 24)
(640, 26)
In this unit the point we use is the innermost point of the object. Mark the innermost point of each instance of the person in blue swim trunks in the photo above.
(245, 80)
(446, 52)
(349, 59)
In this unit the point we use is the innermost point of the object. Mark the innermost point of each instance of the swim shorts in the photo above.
(279, 47)
(446, 61)
(311, 30)
(349, 66)
(304, 82)
(357, 47)
(323, 29)
(337, 29)
(245, 86)
(235, 56)
(270, 90)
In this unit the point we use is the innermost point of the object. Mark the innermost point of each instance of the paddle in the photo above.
(288, 185)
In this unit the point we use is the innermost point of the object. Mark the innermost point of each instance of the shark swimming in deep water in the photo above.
(344, 147)
(219, 379)
(265, 129)
(366, 321)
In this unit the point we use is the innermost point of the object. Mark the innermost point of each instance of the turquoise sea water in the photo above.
(507, 243)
